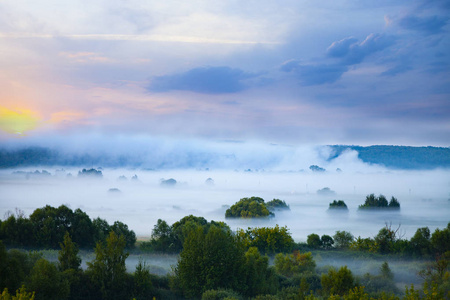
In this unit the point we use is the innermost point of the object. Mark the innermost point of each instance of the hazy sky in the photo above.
(317, 72)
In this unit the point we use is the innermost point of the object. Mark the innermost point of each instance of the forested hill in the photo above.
(400, 157)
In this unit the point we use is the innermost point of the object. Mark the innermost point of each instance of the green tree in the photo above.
(343, 239)
(337, 282)
(386, 272)
(326, 241)
(142, 281)
(440, 240)
(420, 242)
(48, 283)
(82, 231)
(209, 261)
(107, 270)
(260, 279)
(313, 240)
(294, 264)
(253, 207)
(68, 255)
(121, 229)
(267, 239)
(21, 294)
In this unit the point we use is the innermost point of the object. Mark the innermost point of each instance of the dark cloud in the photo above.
(209, 80)
(314, 74)
(353, 52)
(347, 51)
(428, 25)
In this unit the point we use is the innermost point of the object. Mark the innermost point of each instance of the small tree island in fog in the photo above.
(253, 207)
(339, 204)
(380, 202)
(277, 204)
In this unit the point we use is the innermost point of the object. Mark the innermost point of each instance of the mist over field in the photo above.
(423, 195)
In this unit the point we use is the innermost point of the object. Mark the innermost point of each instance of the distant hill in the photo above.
(400, 157)
(393, 157)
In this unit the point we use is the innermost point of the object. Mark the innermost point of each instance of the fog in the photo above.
(423, 195)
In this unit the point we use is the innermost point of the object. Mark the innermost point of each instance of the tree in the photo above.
(68, 255)
(386, 271)
(21, 294)
(337, 282)
(293, 264)
(48, 283)
(107, 270)
(260, 279)
(313, 241)
(339, 204)
(267, 239)
(326, 241)
(253, 207)
(420, 242)
(343, 239)
(83, 229)
(101, 229)
(142, 281)
(209, 261)
(121, 229)
(440, 240)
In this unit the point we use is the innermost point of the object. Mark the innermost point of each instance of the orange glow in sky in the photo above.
(18, 121)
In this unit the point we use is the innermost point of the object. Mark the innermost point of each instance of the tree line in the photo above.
(46, 226)
(214, 263)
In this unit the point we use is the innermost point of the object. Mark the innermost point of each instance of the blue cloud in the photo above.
(209, 80)
(353, 52)
(314, 74)
(348, 51)
(428, 25)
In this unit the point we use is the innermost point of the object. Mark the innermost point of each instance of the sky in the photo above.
(284, 72)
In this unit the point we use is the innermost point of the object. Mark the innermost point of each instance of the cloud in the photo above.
(347, 51)
(315, 73)
(353, 52)
(209, 80)
(427, 25)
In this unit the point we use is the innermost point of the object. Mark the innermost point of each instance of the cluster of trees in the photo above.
(253, 207)
(216, 263)
(90, 173)
(170, 238)
(45, 229)
(373, 202)
(34, 277)
(339, 204)
(277, 204)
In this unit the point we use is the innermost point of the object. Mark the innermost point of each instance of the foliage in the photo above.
(108, 269)
(277, 204)
(142, 281)
(220, 294)
(343, 239)
(313, 241)
(47, 281)
(68, 255)
(337, 282)
(339, 204)
(420, 242)
(380, 202)
(253, 207)
(326, 241)
(46, 227)
(209, 261)
(21, 294)
(440, 240)
(267, 239)
(259, 278)
(293, 264)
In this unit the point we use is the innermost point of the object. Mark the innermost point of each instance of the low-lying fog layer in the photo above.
(423, 195)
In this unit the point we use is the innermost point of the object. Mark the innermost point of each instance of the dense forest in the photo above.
(395, 157)
(214, 262)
